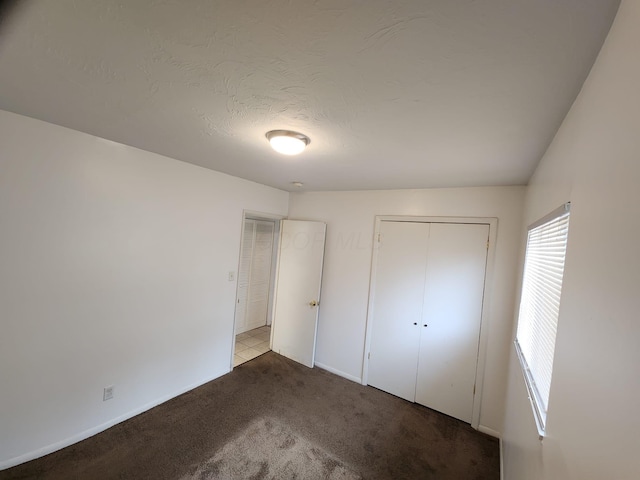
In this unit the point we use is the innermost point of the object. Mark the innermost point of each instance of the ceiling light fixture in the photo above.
(287, 142)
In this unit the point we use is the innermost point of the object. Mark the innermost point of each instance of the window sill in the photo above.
(530, 393)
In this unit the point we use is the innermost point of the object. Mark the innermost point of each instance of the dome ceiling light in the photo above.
(287, 142)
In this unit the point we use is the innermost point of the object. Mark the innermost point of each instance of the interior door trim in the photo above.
(255, 215)
(486, 303)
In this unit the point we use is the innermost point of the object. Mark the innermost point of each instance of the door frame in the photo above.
(492, 222)
(255, 215)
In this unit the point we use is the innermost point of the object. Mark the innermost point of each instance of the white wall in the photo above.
(593, 423)
(113, 270)
(350, 220)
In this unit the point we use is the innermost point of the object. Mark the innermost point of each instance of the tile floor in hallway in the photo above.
(251, 344)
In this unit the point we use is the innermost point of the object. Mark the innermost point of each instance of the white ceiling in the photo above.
(394, 94)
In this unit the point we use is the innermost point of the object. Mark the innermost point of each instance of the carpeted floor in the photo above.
(272, 418)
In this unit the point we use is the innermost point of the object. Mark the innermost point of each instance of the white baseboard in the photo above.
(41, 452)
(496, 434)
(353, 378)
(501, 462)
(489, 431)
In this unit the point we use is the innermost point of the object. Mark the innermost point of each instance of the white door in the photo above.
(397, 316)
(260, 280)
(452, 312)
(298, 290)
(427, 307)
(254, 274)
(244, 275)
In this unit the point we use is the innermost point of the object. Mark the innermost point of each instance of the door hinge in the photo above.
(487, 244)
(378, 238)
(474, 389)
(369, 355)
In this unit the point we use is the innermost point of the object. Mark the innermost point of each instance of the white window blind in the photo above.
(540, 304)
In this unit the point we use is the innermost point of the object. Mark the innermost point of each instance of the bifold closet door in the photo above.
(260, 279)
(254, 274)
(398, 301)
(452, 311)
(427, 308)
(244, 275)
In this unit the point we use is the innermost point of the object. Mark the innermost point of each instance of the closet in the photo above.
(428, 289)
(255, 274)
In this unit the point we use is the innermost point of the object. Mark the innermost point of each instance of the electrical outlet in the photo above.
(232, 276)
(108, 393)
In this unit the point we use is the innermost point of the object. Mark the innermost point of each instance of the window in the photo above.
(539, 306)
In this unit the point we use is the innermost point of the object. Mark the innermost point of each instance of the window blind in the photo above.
(540, 305)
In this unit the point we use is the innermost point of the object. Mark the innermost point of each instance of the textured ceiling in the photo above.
(394, 94)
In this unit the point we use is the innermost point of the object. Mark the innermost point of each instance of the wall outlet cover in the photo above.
(108, 393)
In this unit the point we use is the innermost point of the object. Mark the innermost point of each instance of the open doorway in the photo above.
(256, 278)
(251, 344)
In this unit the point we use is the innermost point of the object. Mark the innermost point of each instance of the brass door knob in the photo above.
(314, 303)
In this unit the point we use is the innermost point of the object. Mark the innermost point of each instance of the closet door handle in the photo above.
(425, 325)
(415, 323)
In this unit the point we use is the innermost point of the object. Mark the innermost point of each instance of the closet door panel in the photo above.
(452, 310)
(260, 279)
(398, 302)
(244, 275)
